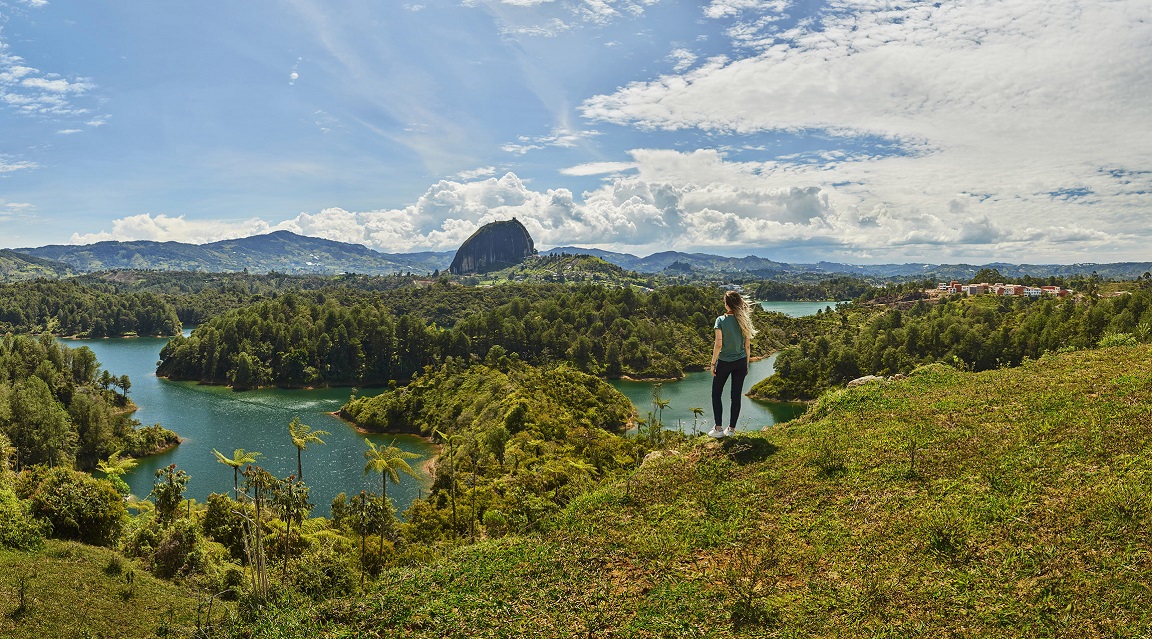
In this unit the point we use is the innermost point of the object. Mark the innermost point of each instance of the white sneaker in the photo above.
(716, 432)
(728, 432)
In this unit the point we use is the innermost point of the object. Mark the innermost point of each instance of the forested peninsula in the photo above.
(346, 337)
(57, 408)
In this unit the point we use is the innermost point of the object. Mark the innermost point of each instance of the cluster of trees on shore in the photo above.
(837, 288)
(67, 307)
(59, 409)
(305, 339)
(978, 333)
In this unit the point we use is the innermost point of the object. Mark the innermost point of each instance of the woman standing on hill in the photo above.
(734, 333)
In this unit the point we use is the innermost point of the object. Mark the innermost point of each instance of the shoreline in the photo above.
(427, 466)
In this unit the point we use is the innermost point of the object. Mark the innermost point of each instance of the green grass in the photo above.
(73, 590)
(1009, 503)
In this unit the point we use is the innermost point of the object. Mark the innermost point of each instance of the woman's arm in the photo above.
(716, 349)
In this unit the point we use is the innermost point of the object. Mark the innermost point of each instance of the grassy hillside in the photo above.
(1009, 503)
(73, 590)
(17, 267)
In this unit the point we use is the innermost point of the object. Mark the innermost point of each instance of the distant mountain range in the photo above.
(287, 252)
(763, 267)
(281, 251)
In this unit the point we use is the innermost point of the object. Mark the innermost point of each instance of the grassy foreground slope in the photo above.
(1009, 503)
(73, 590)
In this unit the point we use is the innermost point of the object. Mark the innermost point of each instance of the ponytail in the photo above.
(743, 312)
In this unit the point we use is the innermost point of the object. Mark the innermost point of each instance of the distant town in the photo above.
(1006, 290)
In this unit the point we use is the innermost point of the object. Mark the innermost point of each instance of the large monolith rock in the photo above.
(492, 247)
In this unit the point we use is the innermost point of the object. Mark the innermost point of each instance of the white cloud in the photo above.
(548, 29)
(8, 165)
(682, 59)
(597, 168)
(559, 137)
(643, 214)
(486, 171)
(1024, 102)
(68, 131)
(29, 91)
(164, 228)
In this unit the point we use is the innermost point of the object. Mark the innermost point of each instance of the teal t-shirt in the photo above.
(733, 344)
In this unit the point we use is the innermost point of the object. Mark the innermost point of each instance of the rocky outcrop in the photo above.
(492, 247)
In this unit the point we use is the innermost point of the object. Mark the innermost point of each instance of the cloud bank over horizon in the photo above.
(851, 130)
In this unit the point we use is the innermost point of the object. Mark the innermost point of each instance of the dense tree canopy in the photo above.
(55, 409)
(978, 333)
(67, 307)
(518, 441)
(303, 339)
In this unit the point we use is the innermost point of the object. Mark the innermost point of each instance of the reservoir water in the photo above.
(798, 309)
(695, 390)
(207, 417)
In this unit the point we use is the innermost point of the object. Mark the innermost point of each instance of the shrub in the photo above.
(179, 552)
(79, 507)
(322, 572)
(1117, 339)
(223, 523)
(18, 528)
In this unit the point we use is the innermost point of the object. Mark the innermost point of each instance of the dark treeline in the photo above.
(834, 288)
(323, 338)
(58, 408)
(197, 297)
(977, 334)
(66, 307)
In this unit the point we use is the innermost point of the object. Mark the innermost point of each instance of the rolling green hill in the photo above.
(1009, 503)
(16, 267)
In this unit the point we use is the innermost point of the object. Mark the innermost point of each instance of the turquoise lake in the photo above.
(207, 417)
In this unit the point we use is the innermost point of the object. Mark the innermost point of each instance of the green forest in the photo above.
(347, 338)
(58, 408)
(69, 308)
(978, 333)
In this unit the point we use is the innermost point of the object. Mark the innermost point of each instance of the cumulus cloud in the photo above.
(164, 228)
(682, 59)
(1025, 102)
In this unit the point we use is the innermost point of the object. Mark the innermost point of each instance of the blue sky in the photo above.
(848, 130)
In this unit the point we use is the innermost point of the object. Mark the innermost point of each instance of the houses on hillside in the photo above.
(1006, 290)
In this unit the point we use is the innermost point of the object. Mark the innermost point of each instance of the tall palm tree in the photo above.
(239, 458)
(389, 461)
(302, 435)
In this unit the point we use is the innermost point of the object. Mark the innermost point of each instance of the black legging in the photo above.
(738, 370)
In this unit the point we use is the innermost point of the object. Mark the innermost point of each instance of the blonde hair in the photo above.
(743, 312)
